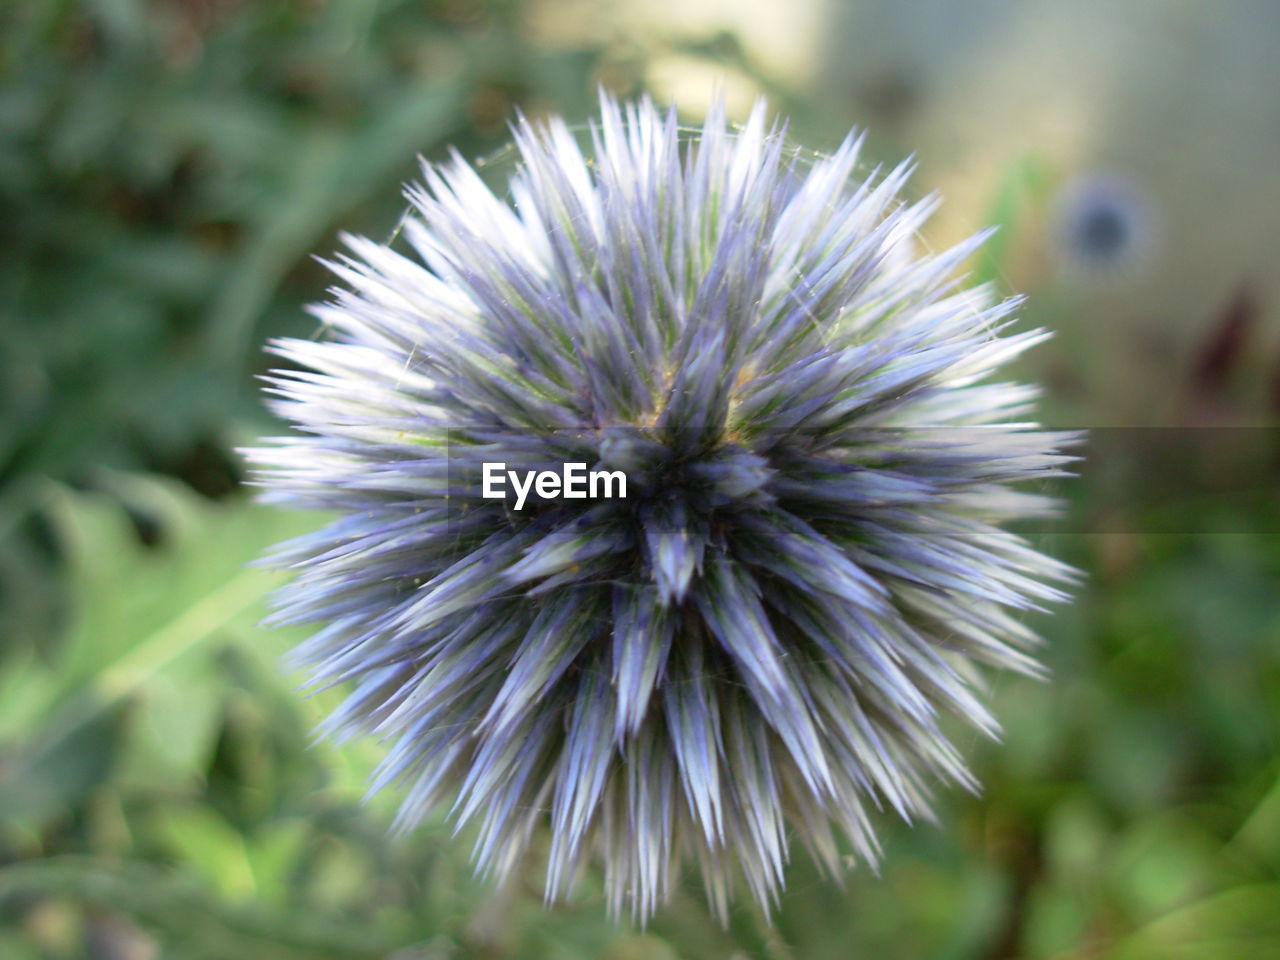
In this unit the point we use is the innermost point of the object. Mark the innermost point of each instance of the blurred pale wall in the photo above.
(1182, 97)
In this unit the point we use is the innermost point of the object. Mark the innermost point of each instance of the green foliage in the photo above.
(1023, 181)
(167, 170)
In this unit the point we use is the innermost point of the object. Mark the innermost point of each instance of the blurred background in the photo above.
(168, 170)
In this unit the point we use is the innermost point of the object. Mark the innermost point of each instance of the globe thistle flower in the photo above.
(1102, 225)
(761, 641)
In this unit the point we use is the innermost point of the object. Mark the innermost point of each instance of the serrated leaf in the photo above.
(142, 614)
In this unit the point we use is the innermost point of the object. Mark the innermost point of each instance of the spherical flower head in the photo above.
(1103, 225)
(760, 641)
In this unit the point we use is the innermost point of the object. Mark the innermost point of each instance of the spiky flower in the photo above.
(761, 640)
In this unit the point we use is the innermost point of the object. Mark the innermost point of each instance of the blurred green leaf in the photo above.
(197, 925)
(1259, 834)
(1240, 924)
(204, 839)
(1023, 180)
(141, 612)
